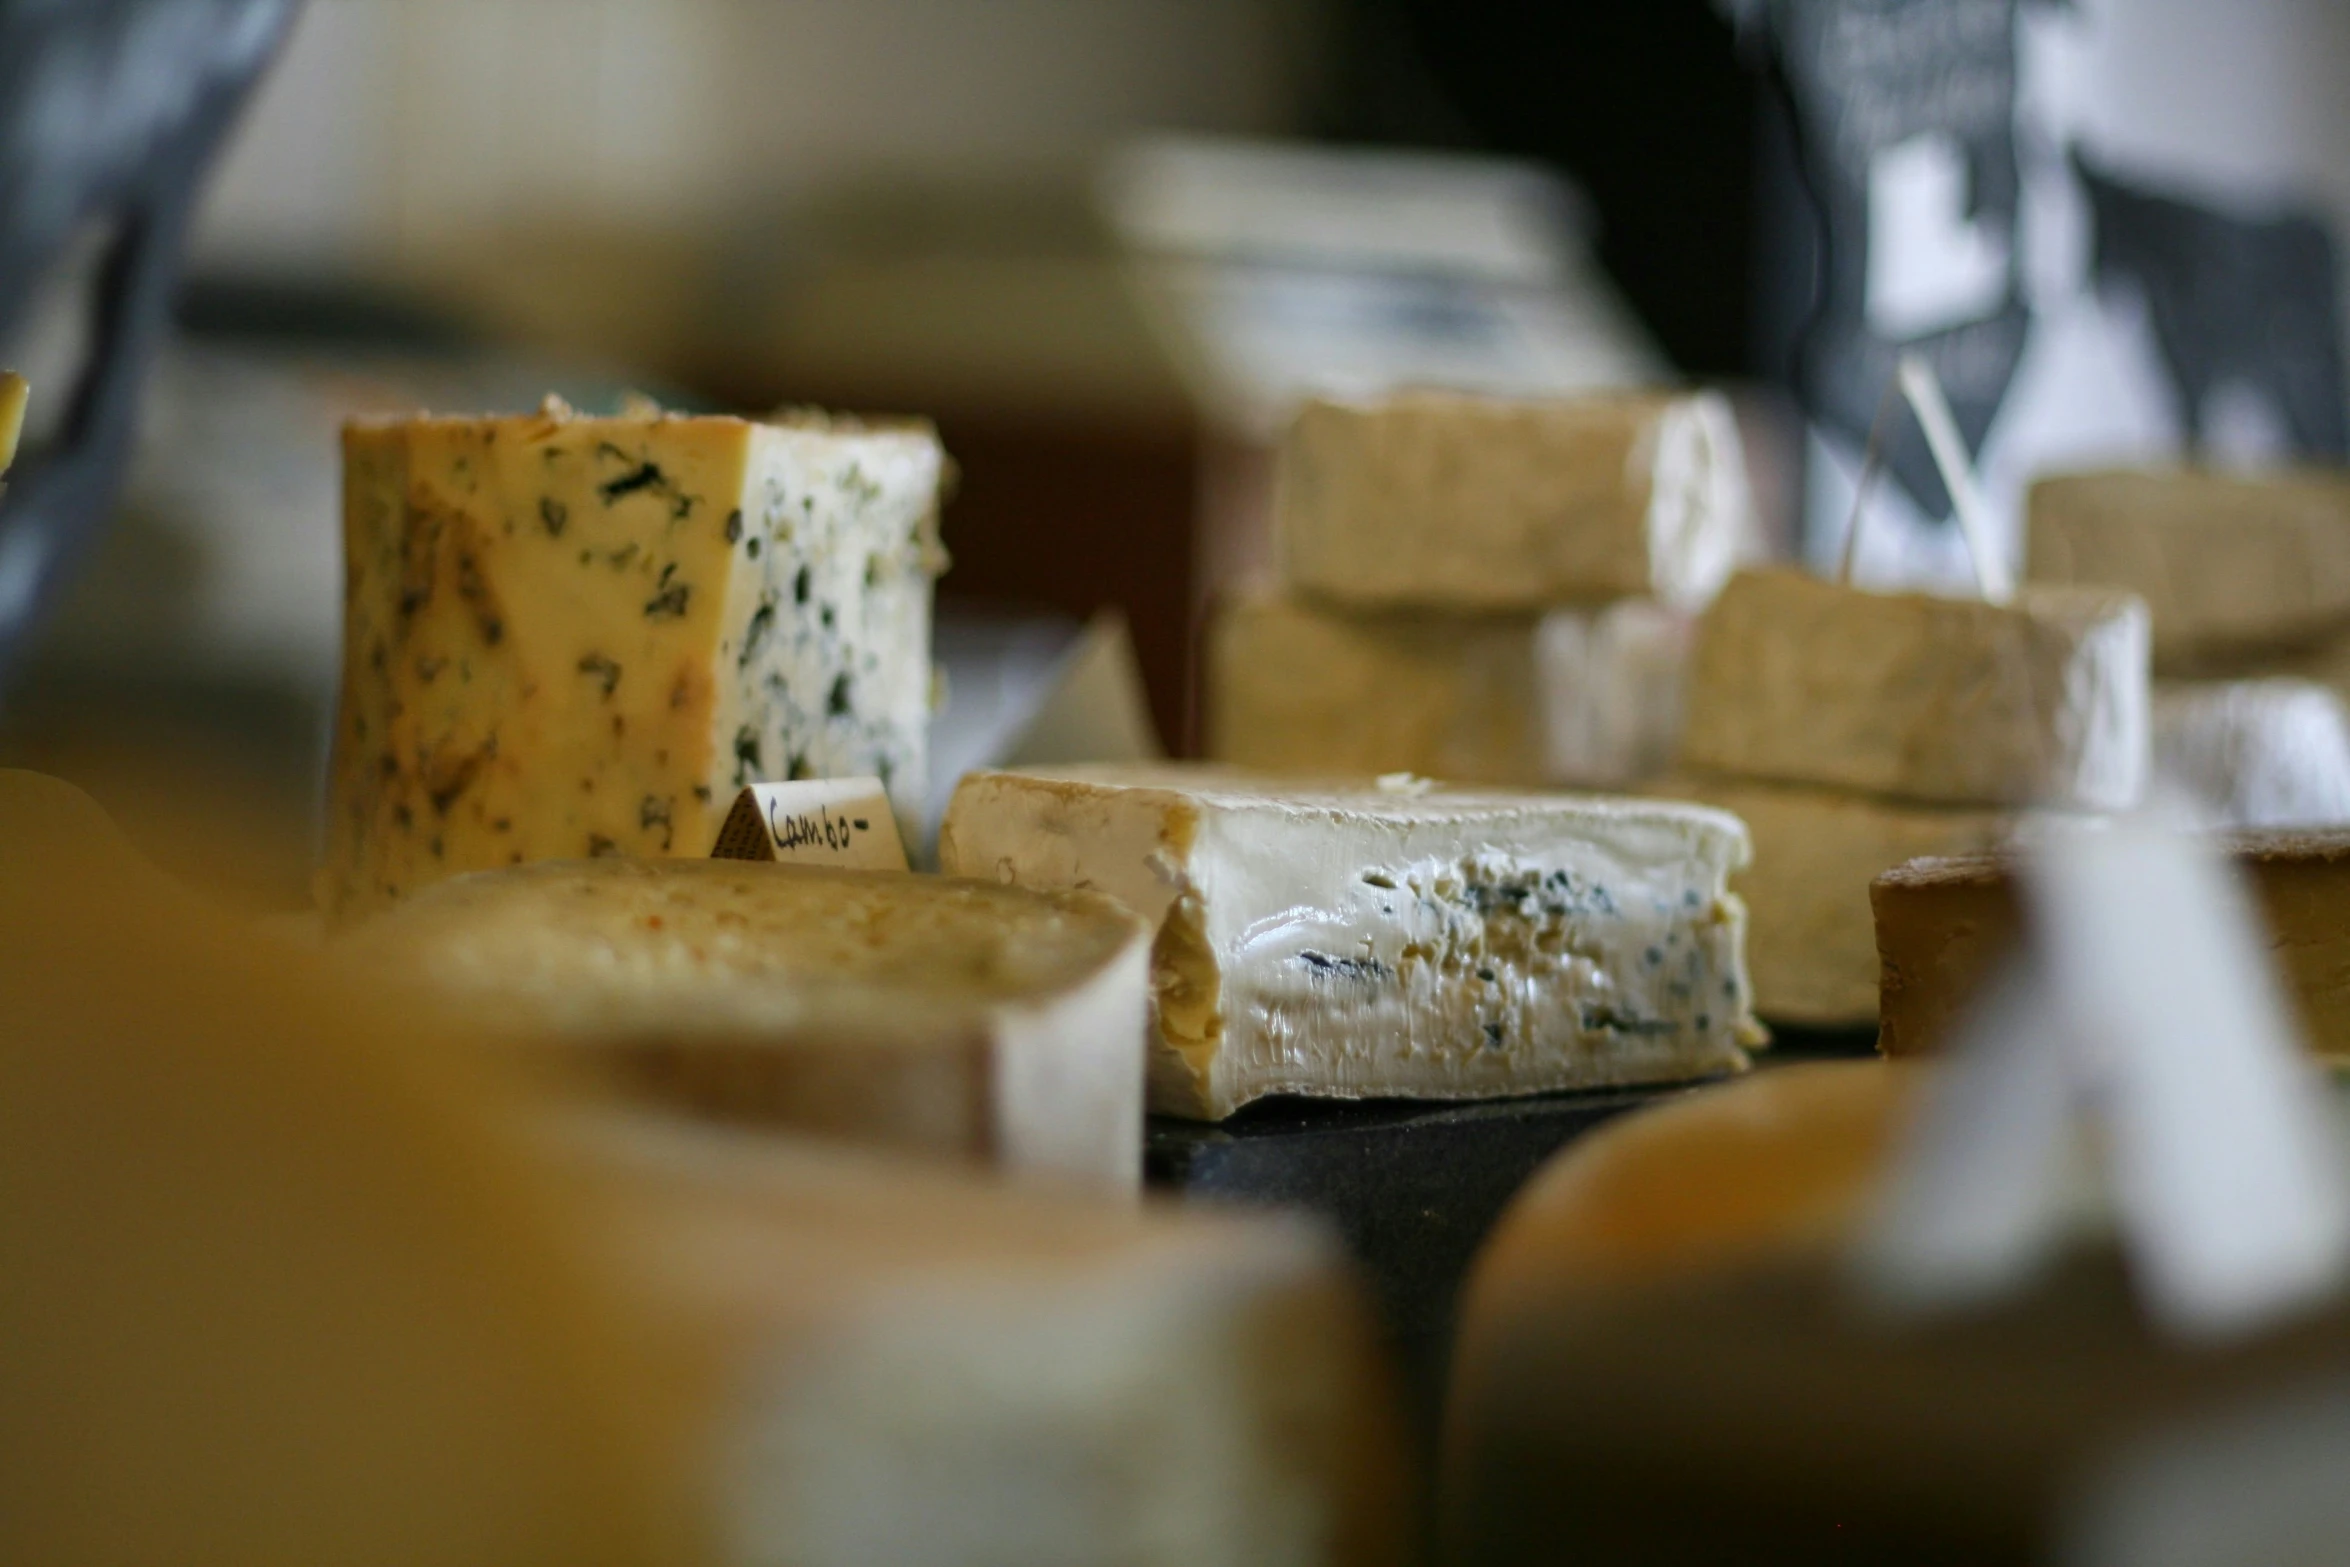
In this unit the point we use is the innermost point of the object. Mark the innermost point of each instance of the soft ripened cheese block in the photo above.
(2230, 566)
(2254, 753)
(284, 1284)
(569, 637)
(1347, 941)
(1942, 700)
(1571, 696)
(986, 1022)
(1944, 924)
(1450, 500)
(902, 1367)
(1810, 942)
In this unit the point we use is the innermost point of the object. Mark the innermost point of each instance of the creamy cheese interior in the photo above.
(1349, 942)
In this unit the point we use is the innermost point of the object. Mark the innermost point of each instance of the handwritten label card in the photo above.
(818, 821)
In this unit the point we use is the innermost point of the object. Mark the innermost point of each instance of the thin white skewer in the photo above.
(1941, 430)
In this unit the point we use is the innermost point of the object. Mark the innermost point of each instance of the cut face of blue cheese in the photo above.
(1447, 500)
(1351, 940)
(1943, 701)
(983, 1022)
(1574, 696)
(573, 637)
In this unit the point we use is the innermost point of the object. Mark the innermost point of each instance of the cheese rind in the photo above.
(1944, 925)
(2228, 566)
(2254, 753)
(982, 1021)
(1448, 500)
(1571, 696)
(1918, 697)
(1347, 941)
(569, 636)
(1811, 945)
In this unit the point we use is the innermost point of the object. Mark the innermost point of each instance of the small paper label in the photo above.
(818, 821)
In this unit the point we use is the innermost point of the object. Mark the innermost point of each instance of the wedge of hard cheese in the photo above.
(1945, 924)
(1571, 696)
(1349, 941)
(567, 637)
(2229, 566)
(903, 1367)
(1941, 700)
(1448, 500)
(1809, 943)
(981, 1021)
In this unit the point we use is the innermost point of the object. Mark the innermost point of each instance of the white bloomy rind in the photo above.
(1351, 941)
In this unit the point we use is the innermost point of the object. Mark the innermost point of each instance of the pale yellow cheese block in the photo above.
(567, 636)
(2230, 566)
(1453, 500)
(964, 1018)
(1946, 701)
(1590, 697)
(1811, 941)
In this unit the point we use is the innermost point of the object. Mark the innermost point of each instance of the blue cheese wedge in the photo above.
(1444, 500)
(1352, 940)
(1914, 696)
(985, 1023)
(1570, 696)
(570, 636)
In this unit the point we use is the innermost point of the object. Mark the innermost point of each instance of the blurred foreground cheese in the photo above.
(1810, 942)
(908, 1368)
(295, 1275)
(283, 1285)
(1350, 941)
(2254, 753)
(1944, 925)
(1444, 499)
(1569, 696)
(2229, 566)
(568, 636)
(1675, 1297)
(987, 1022)
(1939, 700)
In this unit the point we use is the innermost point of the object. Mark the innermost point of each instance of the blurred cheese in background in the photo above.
(1577, 696)
(1809, 943)
(1945, 923)
(2254, 753)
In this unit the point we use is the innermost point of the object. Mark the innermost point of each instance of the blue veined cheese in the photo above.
(1448, 500)
(1569, 696)
(568, 637)
(1350, 940)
